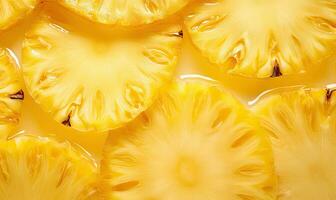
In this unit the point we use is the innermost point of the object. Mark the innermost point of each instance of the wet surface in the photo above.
(191, 64)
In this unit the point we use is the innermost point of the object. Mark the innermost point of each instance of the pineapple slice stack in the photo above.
(110, 65)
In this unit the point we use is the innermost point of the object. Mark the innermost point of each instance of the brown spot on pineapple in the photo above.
(67, 121)
(276, 70)
(19, 95)
(329, 92)
(177, 34)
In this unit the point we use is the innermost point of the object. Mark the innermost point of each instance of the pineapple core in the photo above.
(195, 143)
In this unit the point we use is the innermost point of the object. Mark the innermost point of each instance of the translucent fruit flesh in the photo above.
(11, 94)
(126, 12)
(263, 38)
(40, 168)
(302, 127)
(13, 10)
(97, 82)
(195, 143)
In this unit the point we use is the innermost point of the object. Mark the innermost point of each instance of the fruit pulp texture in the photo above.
(191, 65)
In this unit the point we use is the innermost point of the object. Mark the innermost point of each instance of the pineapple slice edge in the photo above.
(301, 125)
(263, 39)
(126, 13)
(172, 151)
(11, 94)
(14, 10)
(138, 65)
(45, 169)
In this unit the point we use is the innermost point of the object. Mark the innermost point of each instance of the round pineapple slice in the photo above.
(11, 94)
(262, 38)
(40, 168)
(302, 127)
(195, 143)
(125, 12)
(13, 10)
(97, 82)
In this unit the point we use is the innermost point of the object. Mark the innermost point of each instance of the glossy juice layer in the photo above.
(192, 64)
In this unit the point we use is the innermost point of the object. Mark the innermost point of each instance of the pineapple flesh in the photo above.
(195, 143)
(13, 10)
(124, 12)
(97, 81)
(263, 38)
(11, 94)
(302, 128)
(36, 168)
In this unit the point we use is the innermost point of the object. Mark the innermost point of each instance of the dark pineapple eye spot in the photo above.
(67, 121)
(19, 95)
(176, 34)
(180, 33)
(276, 70)
(329, 93)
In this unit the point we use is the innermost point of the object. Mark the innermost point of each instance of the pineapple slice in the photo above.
(302, 127)
(125, 12)
(13, 10)
(11, 94)
(34, 168)
(97, 81)
(195, 143)
(263, 38)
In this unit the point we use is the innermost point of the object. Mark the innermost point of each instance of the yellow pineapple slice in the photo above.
(13, 10)
(35, 168)
(125, 12)
(263, 38)
(97, 81)
(302, 127)
(11, 94)
(196, 142)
